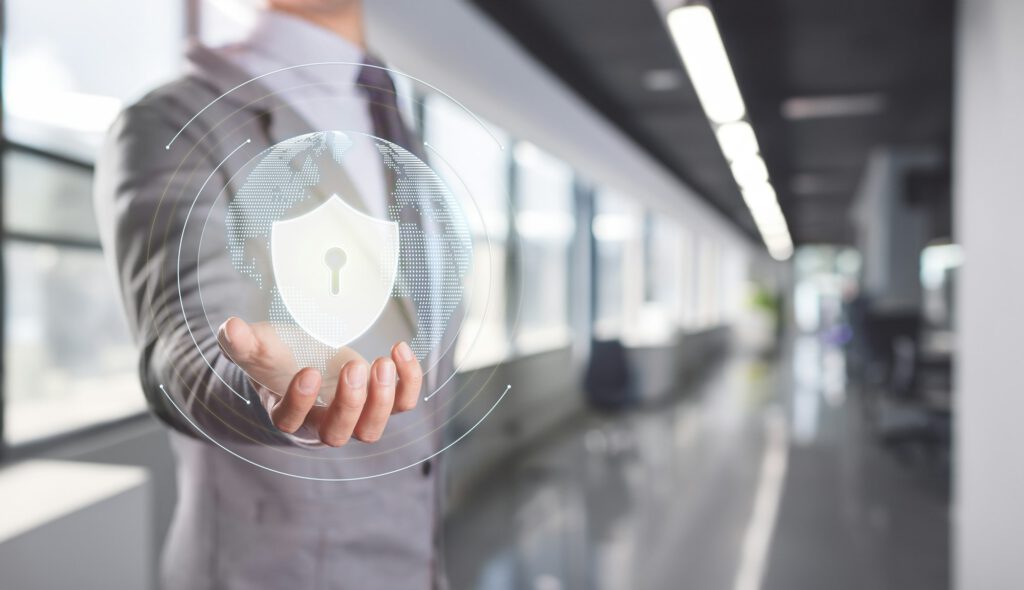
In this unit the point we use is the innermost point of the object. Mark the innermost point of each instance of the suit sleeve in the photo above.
(144, 194)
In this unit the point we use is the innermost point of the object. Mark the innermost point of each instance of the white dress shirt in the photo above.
(333, 103)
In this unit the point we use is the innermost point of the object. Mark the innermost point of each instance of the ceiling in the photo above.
(889, 63)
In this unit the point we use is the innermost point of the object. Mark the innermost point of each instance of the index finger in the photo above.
(237, 339)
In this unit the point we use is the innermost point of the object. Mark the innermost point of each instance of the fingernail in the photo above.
(355, 376)
(308, 382)
(386, 373)
(405, 352)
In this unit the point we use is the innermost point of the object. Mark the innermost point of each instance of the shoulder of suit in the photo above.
(186, 95)
(163, 111)
(141, 132)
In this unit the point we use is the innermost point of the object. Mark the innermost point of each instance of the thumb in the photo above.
(237, 340)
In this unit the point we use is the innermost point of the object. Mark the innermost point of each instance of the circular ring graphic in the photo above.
(453, 409)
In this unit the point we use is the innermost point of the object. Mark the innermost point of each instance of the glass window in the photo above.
(67, 72)
(68, 357)
(939, 264)
(707, 286)
(471, 160)
(660, 312)
(618, 273)
(544, 220)
(734, 286)
(687, 281)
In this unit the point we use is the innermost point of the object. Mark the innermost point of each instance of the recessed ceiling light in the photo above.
(844, 105)
(662, 79)
(810, 184)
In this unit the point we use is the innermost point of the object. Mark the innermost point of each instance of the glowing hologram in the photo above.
(295, 177)
(334, 269)
(423, 264)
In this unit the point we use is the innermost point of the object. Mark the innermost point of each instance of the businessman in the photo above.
(242, 411)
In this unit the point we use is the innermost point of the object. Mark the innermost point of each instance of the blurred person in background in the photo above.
(235, 525)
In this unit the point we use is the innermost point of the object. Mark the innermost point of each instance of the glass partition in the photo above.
(618, 270)
(544, 222)
(468, 157)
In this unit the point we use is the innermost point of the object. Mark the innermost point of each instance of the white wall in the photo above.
(890, 231)
(989, 213)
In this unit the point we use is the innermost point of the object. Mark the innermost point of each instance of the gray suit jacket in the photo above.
(241, 522)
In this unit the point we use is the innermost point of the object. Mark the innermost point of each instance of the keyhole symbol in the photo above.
(335, 258)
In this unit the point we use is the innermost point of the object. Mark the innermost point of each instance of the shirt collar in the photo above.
(291, 41)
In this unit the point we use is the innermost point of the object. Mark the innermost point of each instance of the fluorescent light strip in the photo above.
(772, 225)
(700, 46)
(737, 140)
(781, 253)
(750, 171)
(758, 195)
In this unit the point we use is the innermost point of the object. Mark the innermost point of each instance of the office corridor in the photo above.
(764, 470)
(707, 294)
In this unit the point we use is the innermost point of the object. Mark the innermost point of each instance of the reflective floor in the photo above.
(765, 474)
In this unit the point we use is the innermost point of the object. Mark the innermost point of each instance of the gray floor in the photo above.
(763, 475)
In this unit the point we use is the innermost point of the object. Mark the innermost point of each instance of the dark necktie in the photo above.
(380, 92)
(388, 124)
(403, 198)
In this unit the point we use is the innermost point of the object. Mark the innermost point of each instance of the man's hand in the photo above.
(363, 395)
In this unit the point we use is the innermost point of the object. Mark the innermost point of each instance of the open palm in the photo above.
(359, 397)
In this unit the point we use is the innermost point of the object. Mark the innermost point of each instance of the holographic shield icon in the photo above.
(334, 268)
